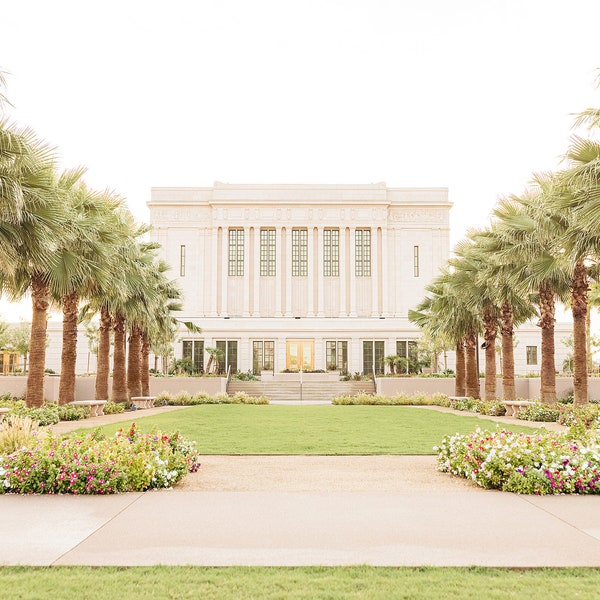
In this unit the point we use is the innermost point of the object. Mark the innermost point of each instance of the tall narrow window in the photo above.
(336, 354)
(416, 260)
(236, 252)
(193, 351)
(531, 355)
(227, 360)
(299, 252)
(407, 350)
(373, 357)
(182, 261)
(267, 252)
(331, 252)
(263, 356)
(362, 251)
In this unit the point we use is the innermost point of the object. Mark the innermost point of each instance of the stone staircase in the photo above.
(282, 391)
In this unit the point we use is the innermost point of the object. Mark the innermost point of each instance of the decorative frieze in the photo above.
(424, 216)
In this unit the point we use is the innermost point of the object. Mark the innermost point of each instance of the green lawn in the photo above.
(308, 583)
(323, 429)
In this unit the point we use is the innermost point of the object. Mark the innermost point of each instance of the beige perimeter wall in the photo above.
(527, 387)
(84, 386)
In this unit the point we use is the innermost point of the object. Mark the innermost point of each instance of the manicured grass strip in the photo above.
(266, 583)
(323, 429)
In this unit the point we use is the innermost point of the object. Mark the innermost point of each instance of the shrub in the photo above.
(363, 398)
(8, 401)
(96, 464)
(163, 399)
(67, 412)
(248, 376)
(114, 408)
(493, 408)
(467, 404)
(539, 412)
(547, 463)
(16, 432)
(44, 415)
(185, 399)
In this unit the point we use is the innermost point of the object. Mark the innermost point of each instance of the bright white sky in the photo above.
(467, 94)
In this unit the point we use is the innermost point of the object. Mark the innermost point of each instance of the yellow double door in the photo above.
(300, 355)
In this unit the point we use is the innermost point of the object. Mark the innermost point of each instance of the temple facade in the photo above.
(300, 277)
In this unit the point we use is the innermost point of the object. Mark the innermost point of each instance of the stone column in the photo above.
(320, 277)
(387, 272)
(248, 269)
(352, 271)
(288, 273)
(255, 279)
(280, 267)
(375, 272)
(224, 271)
(213, 265)
(343, 270)
(313, 283)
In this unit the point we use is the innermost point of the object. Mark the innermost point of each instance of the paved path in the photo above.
(420, 525)
(472, 527)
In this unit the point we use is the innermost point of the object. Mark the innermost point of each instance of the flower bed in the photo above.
(527, 464)
(96, 464)
(51, 413)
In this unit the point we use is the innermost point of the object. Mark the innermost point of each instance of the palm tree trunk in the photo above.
(509, 391)
(40, 301)
(103, 367)
(460, 382)
(144, 367)
(134, 383)
(579, 290)
(119, 384)
(548, 367)
(490, 324)
(66, 391)
(588, 339)
(472, 376)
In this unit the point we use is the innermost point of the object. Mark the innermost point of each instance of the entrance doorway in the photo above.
(300, 354)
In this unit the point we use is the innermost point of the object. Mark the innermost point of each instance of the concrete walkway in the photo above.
(466, 526)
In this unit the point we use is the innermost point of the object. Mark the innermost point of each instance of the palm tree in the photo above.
(503, 277)
(593, 302)
(34, 228)
(108, 298)
(576, 200)
(149, 314)
(477, 295)
(119, 380)
(526, 239)
(103, 361)
(391, 362)
(572, 193)
(444, 315)
(94, 214)
(214, 355)
(163, 325)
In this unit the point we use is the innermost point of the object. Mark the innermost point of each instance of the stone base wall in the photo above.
(528, 388)
(16, 385)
